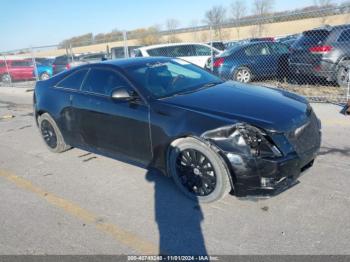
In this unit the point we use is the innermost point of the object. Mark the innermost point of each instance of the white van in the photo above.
(194, 53)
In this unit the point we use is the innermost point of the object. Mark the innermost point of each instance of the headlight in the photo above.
(243, 139)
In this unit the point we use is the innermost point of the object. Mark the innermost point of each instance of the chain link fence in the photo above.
(303, 52)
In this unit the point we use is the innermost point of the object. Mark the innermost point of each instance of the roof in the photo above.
(126, 62)
(173, 44)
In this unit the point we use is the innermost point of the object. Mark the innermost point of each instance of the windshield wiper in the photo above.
(207, 85)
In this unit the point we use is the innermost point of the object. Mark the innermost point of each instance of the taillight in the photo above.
(320, 49)
(67, 66)
(218, 62)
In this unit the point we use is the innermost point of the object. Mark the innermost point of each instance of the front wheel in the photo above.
(198, 171)
(243, 75)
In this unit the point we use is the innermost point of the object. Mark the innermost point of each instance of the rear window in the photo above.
(310, 38)
(173, 51)
(163, 51)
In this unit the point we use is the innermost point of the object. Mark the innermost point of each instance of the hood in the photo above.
(270, 109)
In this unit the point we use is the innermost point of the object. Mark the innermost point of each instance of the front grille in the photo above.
(307, 137)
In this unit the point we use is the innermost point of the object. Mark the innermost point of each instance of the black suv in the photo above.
(323, 52)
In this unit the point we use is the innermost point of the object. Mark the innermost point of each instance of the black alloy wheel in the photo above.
(196, 172)
(49, 134)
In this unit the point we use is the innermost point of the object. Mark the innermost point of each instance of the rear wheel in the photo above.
(51, 134)
(6, 78)
(243, 75)
(198, 171)
(343, 74)
(44, 76)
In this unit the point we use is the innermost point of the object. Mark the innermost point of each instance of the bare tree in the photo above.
(147, 36)
(238, 9)
(215, 18)
(261, 8)
(172, 25)
(323, 4)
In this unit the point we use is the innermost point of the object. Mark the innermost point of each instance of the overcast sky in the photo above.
(42, 22)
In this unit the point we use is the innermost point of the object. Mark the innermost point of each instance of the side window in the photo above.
(345, 36)
(257, 50)
(181, 51)
(21, 63)
(162, 51)
(277, 48)
(202, 50)
(74, 80)
(138, 53)
(103, 81)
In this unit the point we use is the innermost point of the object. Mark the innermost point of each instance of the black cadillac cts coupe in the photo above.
(210, 136)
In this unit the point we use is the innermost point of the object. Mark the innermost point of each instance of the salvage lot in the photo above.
(82, 203)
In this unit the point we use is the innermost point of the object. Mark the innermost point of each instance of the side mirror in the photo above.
(121, 94)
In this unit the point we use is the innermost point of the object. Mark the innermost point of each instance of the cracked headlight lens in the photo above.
(243, 139)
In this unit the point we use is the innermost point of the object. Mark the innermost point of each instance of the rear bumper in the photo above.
(323, 69)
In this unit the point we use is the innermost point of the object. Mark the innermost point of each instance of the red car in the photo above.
(16, 70)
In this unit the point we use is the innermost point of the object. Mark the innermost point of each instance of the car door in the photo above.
(259, 58)
(66, 90)
(22, 70)
(112, 125)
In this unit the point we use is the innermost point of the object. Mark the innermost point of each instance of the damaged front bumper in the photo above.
(266, 178)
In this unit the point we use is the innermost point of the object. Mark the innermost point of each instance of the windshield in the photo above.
(169, 78)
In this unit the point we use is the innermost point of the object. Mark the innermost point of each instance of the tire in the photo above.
(243, 75)
(213, 167)
(51, 134)
(44, 76)
(6, 78)
(342, 76)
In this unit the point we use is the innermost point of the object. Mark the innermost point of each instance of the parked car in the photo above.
(195, 53)
(119, 52)
(248, 61)
(210, 136)
(20, 70)
(324, 53)
(44, 71)
(65, 62)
